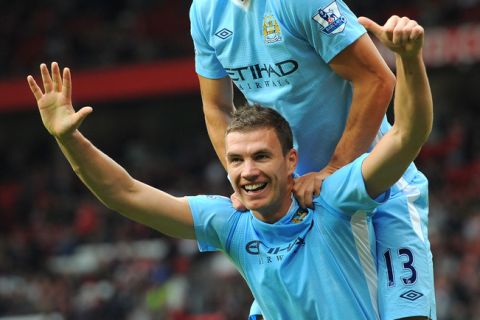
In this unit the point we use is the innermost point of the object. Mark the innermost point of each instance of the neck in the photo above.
(273, 214)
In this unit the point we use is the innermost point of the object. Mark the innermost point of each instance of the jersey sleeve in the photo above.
(328, 26)
(206, 62)
(212, 219)
(345, 192)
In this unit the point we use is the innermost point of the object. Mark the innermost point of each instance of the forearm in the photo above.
(413, 122)
(103, 176)
(369, 104)
(413, 104)
(217, 120)
(217, 99)
(116, 189)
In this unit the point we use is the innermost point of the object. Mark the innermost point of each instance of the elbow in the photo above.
(121, 196)
(116, 193)
(414, 139)
(378, 87)
(385, 86)
(425, 129)
(426, 132)
(390, 81)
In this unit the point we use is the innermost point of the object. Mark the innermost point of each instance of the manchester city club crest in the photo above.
(330, 19)
(271, 30)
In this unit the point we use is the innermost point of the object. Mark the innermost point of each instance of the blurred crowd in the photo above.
(64, 255)
(86, 34)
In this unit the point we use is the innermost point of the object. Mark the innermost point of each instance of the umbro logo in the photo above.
(224, 33)
(411, 295)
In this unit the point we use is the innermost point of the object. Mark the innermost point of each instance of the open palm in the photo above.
(55, 103)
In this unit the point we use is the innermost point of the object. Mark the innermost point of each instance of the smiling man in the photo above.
(299, 263)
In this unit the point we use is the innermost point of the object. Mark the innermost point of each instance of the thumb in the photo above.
(371, 26)
(81, 114)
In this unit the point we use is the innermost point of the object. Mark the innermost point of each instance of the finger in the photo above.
(57, 79)
(304, 197)
(37, 92)
(47, 81)
(371, 26)
(408, 29)
(299, 195)
(80, 115)
(318, 187)
(398, 32)
(390, 26)
(417, 32)
(412, 24)
(67, 84)
(308, 199)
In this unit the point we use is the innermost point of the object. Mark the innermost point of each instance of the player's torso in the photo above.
(305, 263)
(274, 65)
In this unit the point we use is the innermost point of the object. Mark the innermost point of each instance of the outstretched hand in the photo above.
(55, 102)
(401, 35)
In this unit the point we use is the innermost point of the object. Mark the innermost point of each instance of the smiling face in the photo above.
(260, 172)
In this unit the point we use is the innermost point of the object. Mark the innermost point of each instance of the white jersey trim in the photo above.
(412, 193)
(362, 241)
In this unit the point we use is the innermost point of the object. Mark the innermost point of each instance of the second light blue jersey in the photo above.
(277, 53)
(309, 265)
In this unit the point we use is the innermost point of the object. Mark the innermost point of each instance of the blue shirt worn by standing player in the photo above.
(316, 264)
(278, 58)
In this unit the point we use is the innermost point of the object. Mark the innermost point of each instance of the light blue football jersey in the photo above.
(277, 53)
(316, 264)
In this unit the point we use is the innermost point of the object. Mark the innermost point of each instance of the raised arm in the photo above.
(373, 84)
(106, 179)
(413, 107)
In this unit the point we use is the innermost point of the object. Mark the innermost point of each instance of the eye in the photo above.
(261, 156)
(235, 160)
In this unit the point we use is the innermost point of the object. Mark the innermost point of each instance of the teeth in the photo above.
(253, 187)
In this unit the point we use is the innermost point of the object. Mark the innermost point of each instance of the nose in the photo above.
(250, 171)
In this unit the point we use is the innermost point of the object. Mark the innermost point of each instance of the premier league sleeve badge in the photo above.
(330, 19)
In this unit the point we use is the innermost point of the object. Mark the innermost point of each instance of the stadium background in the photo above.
(64, 256)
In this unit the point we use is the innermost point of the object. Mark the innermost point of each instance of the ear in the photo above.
(292, 158)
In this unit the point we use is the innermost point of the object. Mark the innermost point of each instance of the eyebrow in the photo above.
(268, 151)
(232, 155)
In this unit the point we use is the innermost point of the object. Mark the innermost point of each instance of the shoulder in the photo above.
(345, 189)
(201, 9)
(208, 6)
(211, 209)
(205, 12)
(210, 202)
(307, 6)
(317, 15)
(214, 218)
(347, 174)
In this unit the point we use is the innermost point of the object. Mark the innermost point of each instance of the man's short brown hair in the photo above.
(254, 117)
